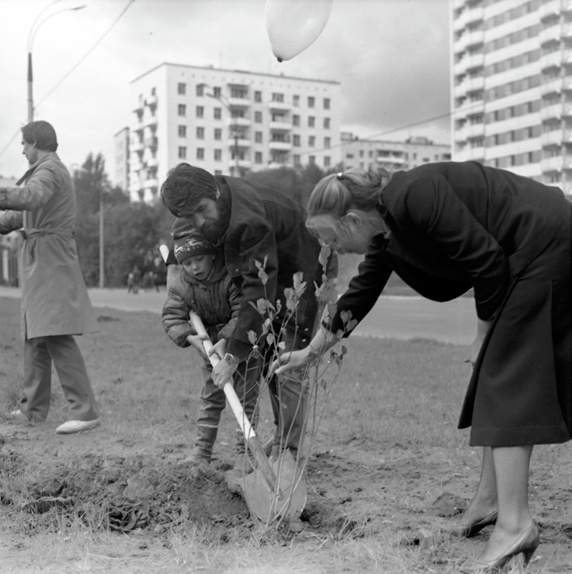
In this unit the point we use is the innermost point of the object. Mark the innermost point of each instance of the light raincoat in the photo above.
(54, 295)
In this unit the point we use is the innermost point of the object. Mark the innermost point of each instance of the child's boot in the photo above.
(202, 453)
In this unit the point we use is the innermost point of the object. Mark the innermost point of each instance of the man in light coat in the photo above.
(55, 303)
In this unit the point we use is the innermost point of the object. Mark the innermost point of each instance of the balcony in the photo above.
(282, 126)
(137, 146)
(551, 138)
(150, 183)
(238, 142)
(238, 122)
(473, 61)
(280, 145)
(279, 106)
(151, 101)
(551, 8)
(472, 39)
(152, 143)
(150, 122)
(238, 102)
(138, 108)
(550, 86)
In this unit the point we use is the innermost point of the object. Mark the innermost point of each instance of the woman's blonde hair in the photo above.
(338, 193)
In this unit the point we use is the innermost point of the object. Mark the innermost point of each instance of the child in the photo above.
(204, 286)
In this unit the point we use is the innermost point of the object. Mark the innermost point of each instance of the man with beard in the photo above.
(257, 227)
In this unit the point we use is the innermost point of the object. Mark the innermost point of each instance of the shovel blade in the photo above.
(287, 500)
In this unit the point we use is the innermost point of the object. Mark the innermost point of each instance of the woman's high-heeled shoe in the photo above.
(473, 529)
(525, 545)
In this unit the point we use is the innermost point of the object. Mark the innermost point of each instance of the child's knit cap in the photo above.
(192, 244)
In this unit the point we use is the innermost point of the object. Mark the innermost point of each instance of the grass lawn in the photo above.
(387, 468)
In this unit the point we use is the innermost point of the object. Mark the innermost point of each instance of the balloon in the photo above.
(293, 25)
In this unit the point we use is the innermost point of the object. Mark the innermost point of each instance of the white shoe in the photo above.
(70, 427)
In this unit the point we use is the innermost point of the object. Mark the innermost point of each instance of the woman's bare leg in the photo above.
(511, 467)
(485, 500)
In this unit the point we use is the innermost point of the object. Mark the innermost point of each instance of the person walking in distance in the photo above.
(55, 302)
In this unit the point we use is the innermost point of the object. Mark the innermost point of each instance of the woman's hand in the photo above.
(475, 347)
(291, 360)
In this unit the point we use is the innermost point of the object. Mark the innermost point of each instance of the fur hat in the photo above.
(191, 244)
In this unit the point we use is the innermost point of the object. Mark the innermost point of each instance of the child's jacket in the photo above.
(216, 301)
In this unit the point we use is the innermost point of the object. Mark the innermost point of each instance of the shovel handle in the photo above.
(232, 398)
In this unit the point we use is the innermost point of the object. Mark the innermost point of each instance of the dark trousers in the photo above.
(70, 367)
(289, 395)
(213, 400)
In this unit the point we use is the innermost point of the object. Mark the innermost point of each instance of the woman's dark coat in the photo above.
(454, 226)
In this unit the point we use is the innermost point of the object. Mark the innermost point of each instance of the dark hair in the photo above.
(42, 134)
(184, 186)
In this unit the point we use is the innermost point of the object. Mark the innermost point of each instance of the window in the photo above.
(200, 111)
(296, 159)
(258, 96)
(258, 157)
(218, 155)
(258, 137)
(200, 90)
(218, 134)
(216, 92)
(326, 103)
(311, 101)
(327, 143)
(296, 140)
(217, 113)
(326, 123)
(181, 110)
(200, 133)
(181, 89)
(312, 160)
(327, 161)
(295, 121)
(311, 121)
(200, 153)
(238, 92)
(182, 152)
(296, 101)
(312, 141)
(258, 117)
(277, 97)
(182, 131)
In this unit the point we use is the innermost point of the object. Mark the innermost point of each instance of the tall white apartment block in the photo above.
(228, 122)
(392, 155)
(512, 89)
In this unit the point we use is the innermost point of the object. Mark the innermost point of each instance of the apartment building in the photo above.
(392, 155)
(227, 122)
(511, 90)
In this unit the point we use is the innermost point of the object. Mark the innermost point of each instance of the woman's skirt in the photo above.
(521, 389)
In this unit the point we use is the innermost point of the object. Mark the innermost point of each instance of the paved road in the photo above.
(397, 317)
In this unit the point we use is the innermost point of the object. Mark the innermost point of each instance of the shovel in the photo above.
(273, 490)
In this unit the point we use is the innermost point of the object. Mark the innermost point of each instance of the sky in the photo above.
(391, 58)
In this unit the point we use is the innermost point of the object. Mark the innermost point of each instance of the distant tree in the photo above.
(131, 230)
(294, 182)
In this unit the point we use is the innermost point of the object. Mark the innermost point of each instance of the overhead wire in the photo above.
(73, 68)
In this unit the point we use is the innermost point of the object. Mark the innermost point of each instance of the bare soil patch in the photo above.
(387, 472)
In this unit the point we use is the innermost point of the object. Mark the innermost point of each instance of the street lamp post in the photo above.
(101, 243)
(40, 19)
